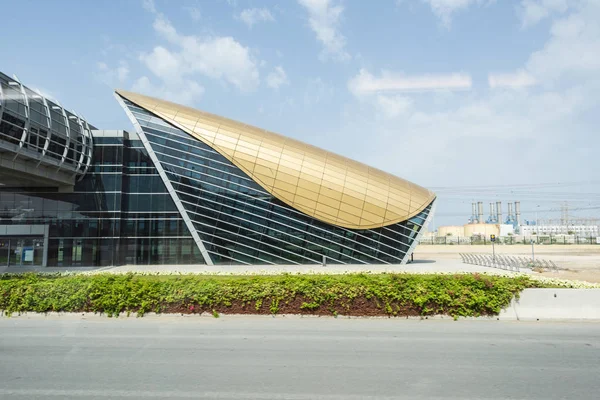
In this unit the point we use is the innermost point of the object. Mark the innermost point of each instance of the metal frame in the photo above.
(68, 130)
(415, 242)
(167, 182)
(27, 117)
(1, 102)
(49, 133)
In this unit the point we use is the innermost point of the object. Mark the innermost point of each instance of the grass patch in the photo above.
(458, 295)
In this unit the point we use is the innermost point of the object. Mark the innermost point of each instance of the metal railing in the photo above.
(484, 240)
(506, 262)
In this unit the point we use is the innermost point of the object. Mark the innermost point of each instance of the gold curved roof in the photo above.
(331, 188)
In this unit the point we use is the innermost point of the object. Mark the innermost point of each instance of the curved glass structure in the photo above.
(36, 129)
(331, 188)
(235, 217)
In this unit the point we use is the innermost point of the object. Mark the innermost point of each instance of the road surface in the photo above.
(169, 357)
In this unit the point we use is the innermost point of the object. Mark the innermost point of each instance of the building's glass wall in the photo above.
(119, 213)
(240, 222)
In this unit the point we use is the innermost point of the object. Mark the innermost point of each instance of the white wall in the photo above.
(580, 230)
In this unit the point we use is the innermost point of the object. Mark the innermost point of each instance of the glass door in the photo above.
(21, 251)
(4, 251)
(16, 251)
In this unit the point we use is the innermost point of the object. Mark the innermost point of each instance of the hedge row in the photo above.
(353, 294)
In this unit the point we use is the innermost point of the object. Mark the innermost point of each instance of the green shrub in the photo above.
(351, 294)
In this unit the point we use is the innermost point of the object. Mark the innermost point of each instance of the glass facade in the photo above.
(238, 221)
(119, 213)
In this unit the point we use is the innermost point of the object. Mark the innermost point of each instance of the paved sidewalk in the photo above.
(420, 266)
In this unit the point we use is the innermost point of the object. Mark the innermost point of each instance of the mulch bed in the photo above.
(360, 307)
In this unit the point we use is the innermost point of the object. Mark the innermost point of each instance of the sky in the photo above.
(478, 100)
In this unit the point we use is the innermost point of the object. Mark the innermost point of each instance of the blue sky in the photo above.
(447, 93)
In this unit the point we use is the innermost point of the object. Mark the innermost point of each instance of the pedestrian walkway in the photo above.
(420, 266)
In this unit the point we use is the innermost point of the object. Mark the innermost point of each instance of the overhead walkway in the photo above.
(41, 143)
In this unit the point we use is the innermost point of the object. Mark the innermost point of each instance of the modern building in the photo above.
(188, 187)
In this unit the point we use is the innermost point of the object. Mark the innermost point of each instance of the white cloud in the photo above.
(253, 16)
(393, 106)
(533, 11)
(113, 76)
(277, 78)
(184, 92)
(573, 50)
(149, 6)
(317, 91)
(217, 57)
(195, 13)
(365, 83)
(324, 19)
(445, 9)
(518, 79)
(480, 134)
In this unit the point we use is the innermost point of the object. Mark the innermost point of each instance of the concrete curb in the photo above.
(533, 305)
(554, 304)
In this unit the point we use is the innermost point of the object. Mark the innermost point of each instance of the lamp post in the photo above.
(493, 240)
(537, 222)
(532, 251)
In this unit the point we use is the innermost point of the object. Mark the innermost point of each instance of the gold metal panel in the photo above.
(288, 170)
(330, 188)
(378, 203)
(265, 181)
(307, 193)
(333, 179)
(266, 163)
(355, 188)
(356, 211)
(311, 178)
(329, 201)
(331, 193)
(402, 210)
(373, 209)
(291, 179)
(283, 195)
(303, 201)
(245, 152)
(345, 218)
(323, 208)
(291, 161)
(308, 185)
(375, 219)
(261, 169)
(282, 185)
(246, 165)
(353, 201)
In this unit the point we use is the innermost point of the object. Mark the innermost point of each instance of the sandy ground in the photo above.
(579, 262)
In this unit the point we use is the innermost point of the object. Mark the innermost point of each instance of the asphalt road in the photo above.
(296, 358)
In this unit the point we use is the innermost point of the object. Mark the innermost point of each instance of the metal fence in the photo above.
(510, 263)
(484, 240)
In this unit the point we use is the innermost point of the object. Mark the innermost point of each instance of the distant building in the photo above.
(475, 229)
(578, 230)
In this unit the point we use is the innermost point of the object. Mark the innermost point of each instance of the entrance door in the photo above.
(22, 251)
(4, 251)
